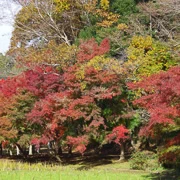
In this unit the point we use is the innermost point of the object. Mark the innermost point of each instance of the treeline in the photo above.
(84, 74)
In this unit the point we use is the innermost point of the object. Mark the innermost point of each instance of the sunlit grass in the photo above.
(12, 170)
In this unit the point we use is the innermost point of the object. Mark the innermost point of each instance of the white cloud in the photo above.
(8, 9)
(5, 36)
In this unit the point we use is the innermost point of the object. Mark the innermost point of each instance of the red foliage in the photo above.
(174, 141)
(11, 86)
(61, 101)
(41, 81)
(40, 141)
(4, 144)
(90, 49)
(119, 134)
(78, 143)
(170, 158)
(161, 98)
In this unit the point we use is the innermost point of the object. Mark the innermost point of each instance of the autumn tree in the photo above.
(119, 135)
(76, 106)
(85, 109)
(21, 92)
(38, 22)
(6, 130)
(160, 97)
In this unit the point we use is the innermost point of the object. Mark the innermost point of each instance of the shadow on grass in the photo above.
(85, 162)
(89, 161)
(93, 162)
(169, 174)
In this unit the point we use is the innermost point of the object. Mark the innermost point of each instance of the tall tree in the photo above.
(161, 98)
(40, 21)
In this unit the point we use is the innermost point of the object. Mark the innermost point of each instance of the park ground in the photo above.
(78, 168)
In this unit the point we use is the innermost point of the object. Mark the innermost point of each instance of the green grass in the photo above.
(11, 170)
(68, 175)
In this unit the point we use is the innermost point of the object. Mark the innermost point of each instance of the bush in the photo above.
(170, 157)
(123, 7)
(144, 161)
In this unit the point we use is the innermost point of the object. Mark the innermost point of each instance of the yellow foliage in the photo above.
(60, 55)
(105, 4)
(122, 27)
(90, 6)
(141, 42)
(26, 13)
(61, 5)
(107, 18)
(101, 63)
(138, 48)
(146, 57)
(105, 23)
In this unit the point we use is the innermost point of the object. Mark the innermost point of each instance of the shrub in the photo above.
(123, 7)
(170, 157)
(144, 161)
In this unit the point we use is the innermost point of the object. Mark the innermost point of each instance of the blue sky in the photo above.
(8, 9)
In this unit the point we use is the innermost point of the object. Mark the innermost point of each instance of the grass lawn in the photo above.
(15, 170)
(69, 175)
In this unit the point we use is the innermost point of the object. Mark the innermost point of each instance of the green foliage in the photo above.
(21, 104)
(123, 7)
(6, 65)
(119, 38)
(24, 140)
(134, 122)
(87, 33)
(144, 161)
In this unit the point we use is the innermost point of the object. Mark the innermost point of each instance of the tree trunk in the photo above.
(122, 157)
(69, 150)
(17, 151)
(30, 149)
(21, 150)
(49, 145)
(57, 148)
(10, 152)
(38, 150)
(1, 150)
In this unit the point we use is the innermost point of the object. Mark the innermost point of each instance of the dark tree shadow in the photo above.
(169, 174)
(85, 162)
(89, 161)
(94, 161)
